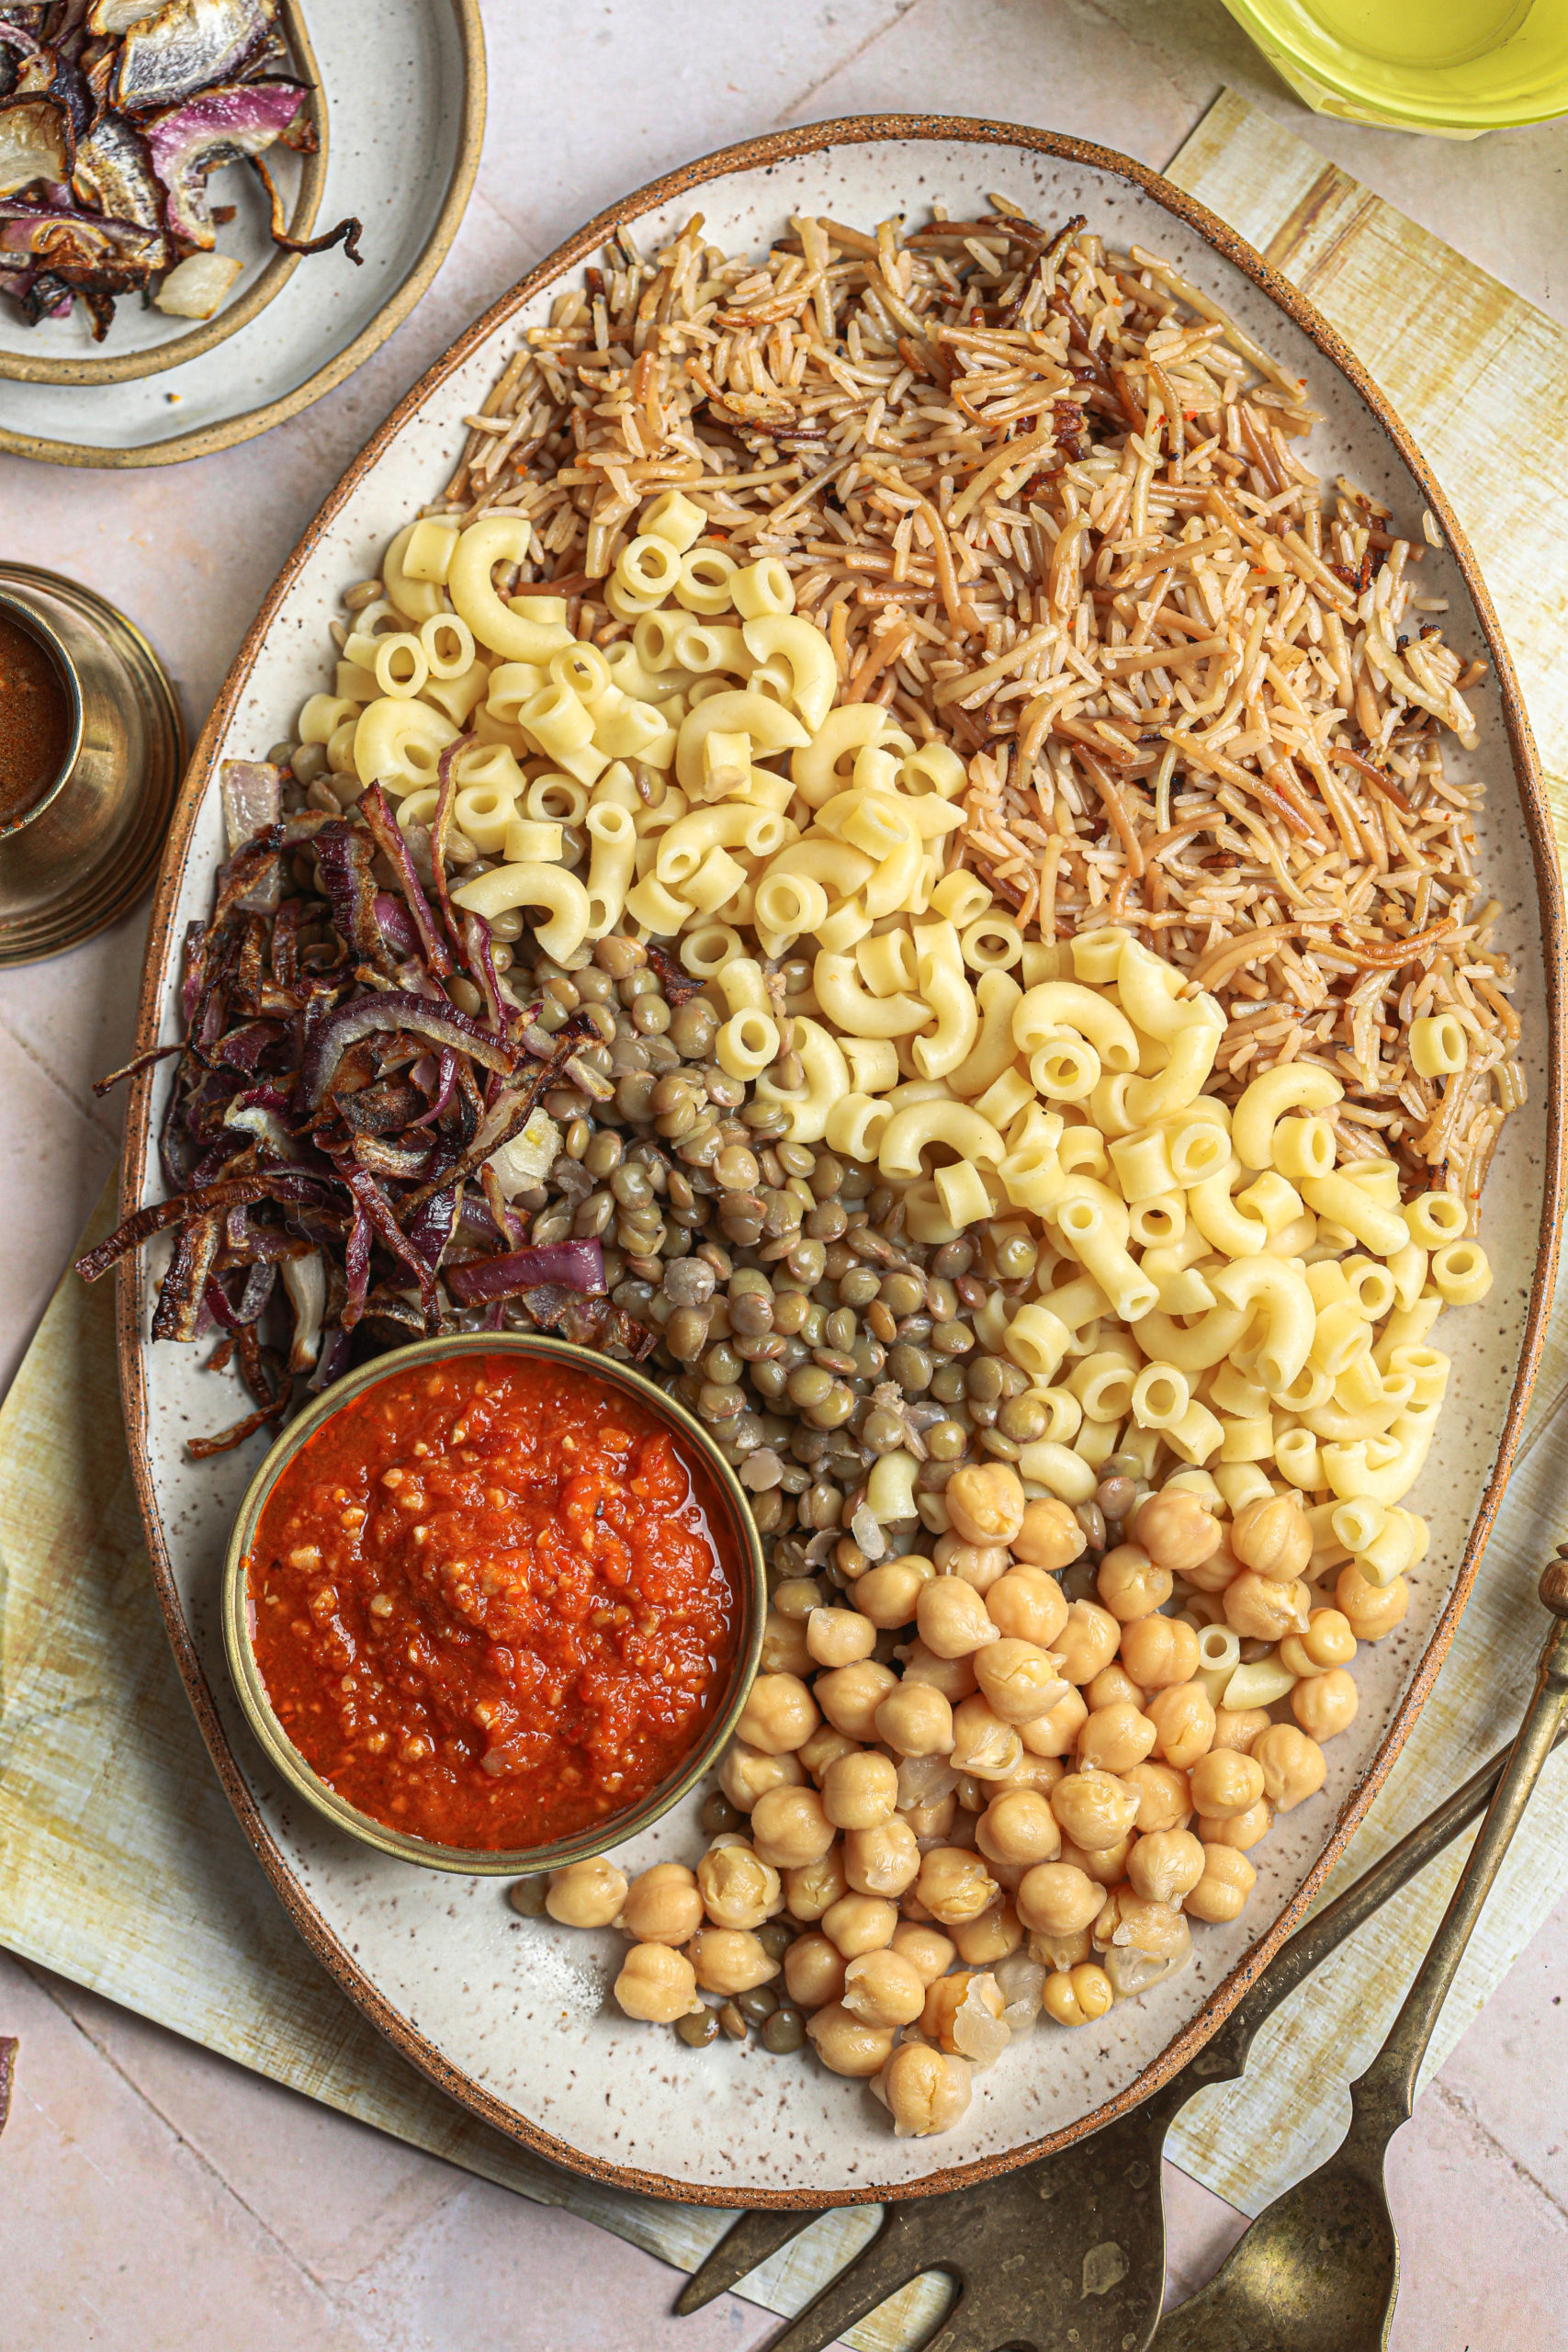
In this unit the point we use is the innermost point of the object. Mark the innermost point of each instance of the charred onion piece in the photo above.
(577, 1265)
(221, 126)
(35, 143)
(185, 47)
(397, 1008)
(347, 233)
(114, 176)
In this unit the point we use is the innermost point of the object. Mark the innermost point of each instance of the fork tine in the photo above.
(753, 2238)
(889, 2262)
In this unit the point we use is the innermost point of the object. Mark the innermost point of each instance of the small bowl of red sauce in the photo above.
(493, 1603)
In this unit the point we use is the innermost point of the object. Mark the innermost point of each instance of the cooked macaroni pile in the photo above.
(1079, 1361)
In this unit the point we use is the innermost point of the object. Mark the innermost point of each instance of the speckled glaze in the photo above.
(510, 2017)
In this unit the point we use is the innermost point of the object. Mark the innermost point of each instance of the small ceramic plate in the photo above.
(403, 83)
(513, 2017)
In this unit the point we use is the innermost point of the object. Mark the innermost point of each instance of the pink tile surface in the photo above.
(153, 2196)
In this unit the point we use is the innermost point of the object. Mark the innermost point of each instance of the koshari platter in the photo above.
(512, 2016)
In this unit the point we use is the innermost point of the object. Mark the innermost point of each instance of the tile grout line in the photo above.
(88, 1109)
(851, 57)
(1460, 2109)
(197, 2155)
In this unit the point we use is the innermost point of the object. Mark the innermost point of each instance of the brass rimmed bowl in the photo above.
(737, 1538)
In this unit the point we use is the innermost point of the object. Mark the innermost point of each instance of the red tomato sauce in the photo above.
(489, 1603)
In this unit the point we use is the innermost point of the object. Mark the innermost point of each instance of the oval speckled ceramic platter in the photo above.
(512, 2016)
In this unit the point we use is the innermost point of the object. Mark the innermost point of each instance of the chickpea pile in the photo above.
(974, 1786)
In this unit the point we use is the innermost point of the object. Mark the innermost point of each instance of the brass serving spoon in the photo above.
(1097, 2265)
(1318, 2271)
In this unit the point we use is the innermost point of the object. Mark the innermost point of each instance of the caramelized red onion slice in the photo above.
(35, 142)
(222, 126)
(252, 796)
(387, 836)
(576, 1265)
(396, 1009)
(304, 1283)
(184, 47)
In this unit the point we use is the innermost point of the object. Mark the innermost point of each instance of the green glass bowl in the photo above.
(1452, 67)
(737, 1537)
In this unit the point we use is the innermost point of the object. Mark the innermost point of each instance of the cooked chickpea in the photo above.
(954, 1886)
(1325, 1704)
(1057, 1899)
(1130, 1584)
(1048, 1535)
(813, 1971)
(881, 1988)
(1077, 1995)
(858, 1923)
(954, 1677)
(985, 1502)
(1220, 1894)
(952, 1618)
(779, 1715)
(927, 1950)
(1058, 1952)
(1370, 1610)
(883, 1861)
(784, 1649)
(1261, 1609)
(1225, 1783)
(1019, 1827)
(1165, 1796)
(846, 2045)
(1028, 1605)
(1055, 1733)
(812, 1889)
(1129, 1921)
(1293, 1765)
(1237, 1727)
(1116, 1738)
(1094, 1809)
(931, 1820)
(798, 1597)
(1327, 1642)
(823, 1749)
(839, 1636)
(729, 1960)
(663, 1905)
(1273, 1537)
(981, 1564)
(860, 1790)
(1107, 1865)
(850, 1696)
(886, 1595)
(1164, 1866)
(738, 1889)
(1112, 1687)
(656, 1985)
(926, 2090)
(947, 1996)
(1183, 1718)
(1212, 1575)
(586, 1894)
(1175, 1531)
(996, 1933)
(746, 1774)
(1158, 1651)
(1087, 1642)
(790, 1828)
(1243, 1830)
(916, 1720)
(982, 1743)
(1018, 1680)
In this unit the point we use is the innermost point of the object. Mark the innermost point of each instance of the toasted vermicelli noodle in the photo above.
(1046, 504)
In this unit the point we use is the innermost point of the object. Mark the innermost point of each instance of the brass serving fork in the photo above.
(1070, 2250)
(1318, 2271)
